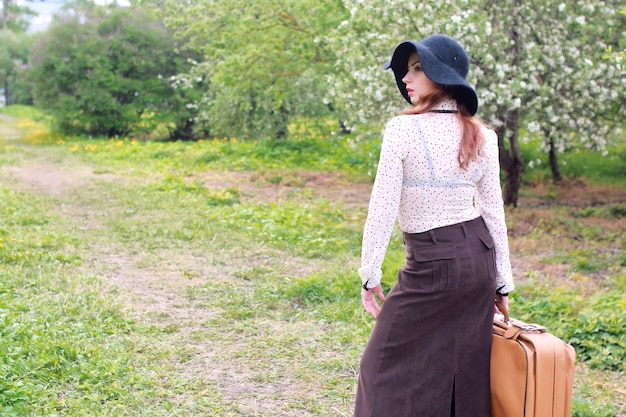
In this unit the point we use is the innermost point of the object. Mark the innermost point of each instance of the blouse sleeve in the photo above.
(491, 207)
(384, 204)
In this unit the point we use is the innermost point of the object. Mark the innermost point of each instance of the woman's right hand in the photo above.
(368, 299)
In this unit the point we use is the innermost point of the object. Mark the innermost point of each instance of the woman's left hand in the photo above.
(504, 300)
(368, 299)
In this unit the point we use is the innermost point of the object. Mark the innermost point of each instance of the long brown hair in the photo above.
(471, 136)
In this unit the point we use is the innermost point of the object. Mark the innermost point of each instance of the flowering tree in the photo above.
(536, 65)
(574, 96)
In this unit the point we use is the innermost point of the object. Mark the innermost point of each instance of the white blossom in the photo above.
(533, 127)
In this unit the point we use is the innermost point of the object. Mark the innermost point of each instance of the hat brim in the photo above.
(435, 70)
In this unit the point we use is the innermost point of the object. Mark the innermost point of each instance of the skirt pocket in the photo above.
(490, 256)
(436, 267)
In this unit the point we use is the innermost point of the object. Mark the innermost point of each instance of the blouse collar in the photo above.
(447, 104)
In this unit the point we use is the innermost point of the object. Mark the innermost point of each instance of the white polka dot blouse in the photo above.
(419, 183)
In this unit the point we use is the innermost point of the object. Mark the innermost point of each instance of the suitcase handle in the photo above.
(503, 310)
(517, 327)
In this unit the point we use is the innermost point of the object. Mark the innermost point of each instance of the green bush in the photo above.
(595, 326)
(582, 407)
(598, 332)
(108, 74)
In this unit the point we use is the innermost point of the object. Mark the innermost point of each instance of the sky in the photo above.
(46, 8)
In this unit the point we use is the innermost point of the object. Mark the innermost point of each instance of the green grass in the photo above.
(135, 289)
(64, 344)
(332, 154)
(595, 167)
(24, 112)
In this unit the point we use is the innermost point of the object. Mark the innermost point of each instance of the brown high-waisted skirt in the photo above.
(428, 355)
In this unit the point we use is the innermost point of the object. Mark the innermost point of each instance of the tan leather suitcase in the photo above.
(532, 371)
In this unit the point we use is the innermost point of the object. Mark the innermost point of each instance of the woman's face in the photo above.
(417, 83)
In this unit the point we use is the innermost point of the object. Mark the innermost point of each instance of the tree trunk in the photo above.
(183, 130)
(511, 159)
(554, 164)
(343, 128)
(281, 118)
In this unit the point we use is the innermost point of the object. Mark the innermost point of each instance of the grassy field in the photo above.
(218, 278)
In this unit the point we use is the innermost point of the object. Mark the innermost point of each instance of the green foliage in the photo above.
(600, 332)
(108, 73)
(14, 50)
(600, 167)
(595, 326)
(583, 407)
(13, 16)
(594, 166)
(267, 61)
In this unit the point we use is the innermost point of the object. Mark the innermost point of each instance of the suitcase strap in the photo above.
(548, 358)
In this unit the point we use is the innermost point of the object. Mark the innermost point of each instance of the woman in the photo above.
(438, 174)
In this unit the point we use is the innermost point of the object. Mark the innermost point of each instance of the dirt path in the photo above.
(75, 192)
(155, 287)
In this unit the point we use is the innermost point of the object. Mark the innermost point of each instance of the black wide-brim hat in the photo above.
(443, 60)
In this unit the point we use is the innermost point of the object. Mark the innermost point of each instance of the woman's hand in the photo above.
(504, 300)
(368, 299)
